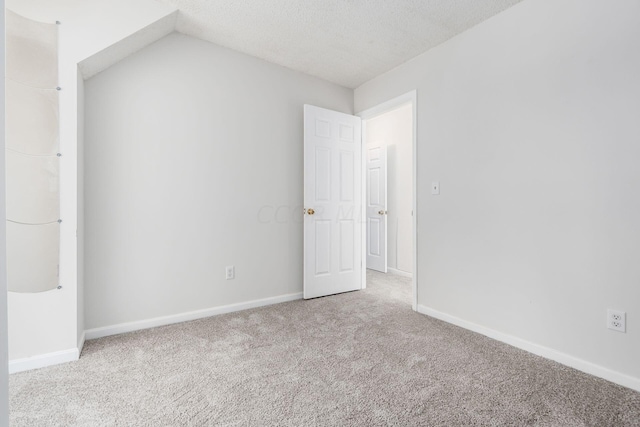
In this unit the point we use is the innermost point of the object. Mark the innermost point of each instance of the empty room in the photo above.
(320, 213)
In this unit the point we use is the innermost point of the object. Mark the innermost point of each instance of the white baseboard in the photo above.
(546, 352)
(43, 360)
(73, 354)
(399, 272)
(185, 317)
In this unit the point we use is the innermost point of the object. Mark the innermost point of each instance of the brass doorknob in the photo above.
(310, 211)
(382, 212)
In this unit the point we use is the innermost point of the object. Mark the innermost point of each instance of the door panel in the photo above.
(323, 247)
(347, 169)
(375, 198)
(374, 237)
(347, 247)
(323, 174)
(333, 202)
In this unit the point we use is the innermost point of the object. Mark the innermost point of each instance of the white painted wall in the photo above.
(4, 352)
(193, 161)
(530, 123)
(395, 129)
(45, 328)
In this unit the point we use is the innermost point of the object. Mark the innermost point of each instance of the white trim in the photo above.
(387, 106)
(414, 175)
(43, 360)
(81, 343)
(399, 272)
(185, 317)
(412, 98)
(363, 211)
(48, 359)
(540, 350)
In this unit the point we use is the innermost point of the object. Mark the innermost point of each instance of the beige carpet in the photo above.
(356, 359)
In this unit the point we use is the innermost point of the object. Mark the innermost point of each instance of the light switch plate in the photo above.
(435, 187)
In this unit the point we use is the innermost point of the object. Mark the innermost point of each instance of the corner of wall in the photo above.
(80, 210)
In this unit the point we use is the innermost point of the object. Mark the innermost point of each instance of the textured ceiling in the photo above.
(344, 41)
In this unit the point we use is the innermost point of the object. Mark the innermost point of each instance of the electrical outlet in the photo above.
(617, 320)
(230, 272)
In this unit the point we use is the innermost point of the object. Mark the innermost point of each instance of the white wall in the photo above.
(45, 328)
(4, 339)
(395, 130)
(530, 123)
(193, 161)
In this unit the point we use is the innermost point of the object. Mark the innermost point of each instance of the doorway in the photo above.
(389, 177)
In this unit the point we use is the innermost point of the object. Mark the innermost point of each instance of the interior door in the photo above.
(333, 202)
(376, 200)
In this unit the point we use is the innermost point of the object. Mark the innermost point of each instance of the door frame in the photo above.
(407, 98)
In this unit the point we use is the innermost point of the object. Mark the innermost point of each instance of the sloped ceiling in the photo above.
(347, 42)
(120, 49)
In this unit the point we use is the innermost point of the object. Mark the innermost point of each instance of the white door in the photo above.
(332, 202)
(376, 200)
